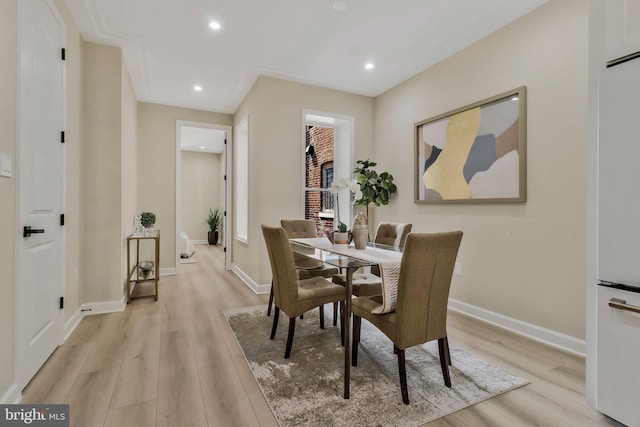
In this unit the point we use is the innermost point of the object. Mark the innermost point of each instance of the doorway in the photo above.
(203, 183)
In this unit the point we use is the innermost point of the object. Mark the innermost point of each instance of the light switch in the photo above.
(5, 165)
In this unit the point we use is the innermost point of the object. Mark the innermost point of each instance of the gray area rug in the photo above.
(306, 389)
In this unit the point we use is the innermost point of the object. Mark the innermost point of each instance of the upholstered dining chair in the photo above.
(421, 308)
(306, 267)
(370, 284)
(292, 295)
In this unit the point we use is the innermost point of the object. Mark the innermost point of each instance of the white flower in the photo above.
(341, 184)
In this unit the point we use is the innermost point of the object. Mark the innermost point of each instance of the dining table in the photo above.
(348, 259)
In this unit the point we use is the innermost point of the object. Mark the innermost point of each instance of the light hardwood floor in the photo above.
(175, 362)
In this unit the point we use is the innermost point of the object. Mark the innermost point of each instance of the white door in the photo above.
(41, 156)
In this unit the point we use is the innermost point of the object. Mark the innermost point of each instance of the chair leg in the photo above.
(321, 308)
(403, 376)
(270, 300)
(335, 314)
(357, 320)
(448, 351)
(342, 322)
(442, 349)
(276, 316)
(292, 328)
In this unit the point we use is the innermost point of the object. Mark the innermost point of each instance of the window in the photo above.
(328, 155)
(326, 178)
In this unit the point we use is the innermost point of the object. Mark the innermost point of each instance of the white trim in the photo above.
(554, 339)
(71, 324)
(168, 271)
(255, 287)
(200, 242)
(11, 396)
(103, 307)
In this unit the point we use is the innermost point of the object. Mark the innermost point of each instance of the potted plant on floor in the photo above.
(214, 221)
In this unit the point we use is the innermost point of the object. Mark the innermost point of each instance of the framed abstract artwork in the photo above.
(475, 154)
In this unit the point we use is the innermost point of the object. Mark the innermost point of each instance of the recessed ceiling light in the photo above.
(340, 6)
(202, 147)
(214, 25)
(368, 66)
(197, 88)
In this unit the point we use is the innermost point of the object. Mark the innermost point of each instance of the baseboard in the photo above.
(168, 271)
(11, 396)
(555, 339)
(103, 307)
(200, 242)
(255, 287)
(71, 324)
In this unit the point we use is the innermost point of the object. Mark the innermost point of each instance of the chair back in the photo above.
(392, 234)
(299, 228)
(285, 281)
(423, 286)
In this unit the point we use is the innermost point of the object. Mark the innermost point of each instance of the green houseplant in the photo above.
(147, 219)
(374, 188)
(214, 221)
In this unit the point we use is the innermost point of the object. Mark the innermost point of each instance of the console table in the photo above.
(137, 274)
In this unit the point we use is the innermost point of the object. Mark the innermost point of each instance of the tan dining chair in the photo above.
(370, 284)
(306, 267)
(292, 295)
(420, 315)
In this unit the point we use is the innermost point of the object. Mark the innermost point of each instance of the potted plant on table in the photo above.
(372, 188)
(214, 221)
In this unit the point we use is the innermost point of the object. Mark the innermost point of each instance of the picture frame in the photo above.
(474, 154)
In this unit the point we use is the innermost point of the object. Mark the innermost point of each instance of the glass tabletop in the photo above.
(328, 257)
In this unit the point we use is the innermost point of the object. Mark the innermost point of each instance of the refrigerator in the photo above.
(618, 288)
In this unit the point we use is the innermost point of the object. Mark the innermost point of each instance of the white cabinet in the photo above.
(618, 394)
(622, 28)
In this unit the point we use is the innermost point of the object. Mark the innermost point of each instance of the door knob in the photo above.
(27, 231)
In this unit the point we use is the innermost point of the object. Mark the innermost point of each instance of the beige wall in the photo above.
(8, 88)
(101, 177)
(157, 166)
(525, 261)
(275, 167)
(200, 191)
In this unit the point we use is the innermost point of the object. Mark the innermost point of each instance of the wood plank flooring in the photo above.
(175, 363)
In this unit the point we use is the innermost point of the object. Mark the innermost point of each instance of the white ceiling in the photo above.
(169, 47)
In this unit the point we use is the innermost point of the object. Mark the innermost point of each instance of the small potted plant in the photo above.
(147, 219)
(214, 221)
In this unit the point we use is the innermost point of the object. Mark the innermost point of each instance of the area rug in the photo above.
(306, 389)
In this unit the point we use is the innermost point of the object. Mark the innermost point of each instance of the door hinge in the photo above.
(62, 137)
(225, 141)
(61, 219)
(225, 213)
(224, 249)
(63, 54)
(225, 177)
(61, 303)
